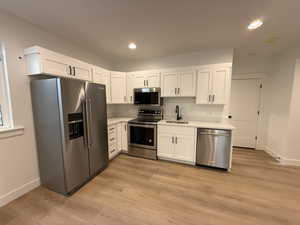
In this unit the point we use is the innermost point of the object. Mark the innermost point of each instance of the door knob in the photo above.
(230, 116)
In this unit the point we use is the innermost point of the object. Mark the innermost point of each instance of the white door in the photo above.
(124, 137)
(56, 64)
(169, 84)
(187, 84)
(118, 87)
(130, 86)
(203, 85)
(218, 85)
(119, 137)
(244, 106)
(165, 146)
(152, 80)
(82, 71)
(103, 77)
(184, 148)
(139, 81)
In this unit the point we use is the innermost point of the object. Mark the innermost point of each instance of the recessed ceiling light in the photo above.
(132, 46)
(255, 24)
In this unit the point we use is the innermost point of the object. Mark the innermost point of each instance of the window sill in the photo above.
(9, 132)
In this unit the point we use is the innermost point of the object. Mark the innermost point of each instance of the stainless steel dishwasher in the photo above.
(214, 148)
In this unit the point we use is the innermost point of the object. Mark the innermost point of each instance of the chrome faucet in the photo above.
(177, 111)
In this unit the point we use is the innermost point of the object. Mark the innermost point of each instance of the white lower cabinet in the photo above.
(117, 139)
(177, 143)
(124, 135)
(112, 141)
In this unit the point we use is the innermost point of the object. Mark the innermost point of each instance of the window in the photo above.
(5, 104)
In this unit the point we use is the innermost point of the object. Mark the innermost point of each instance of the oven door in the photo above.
(142, 135)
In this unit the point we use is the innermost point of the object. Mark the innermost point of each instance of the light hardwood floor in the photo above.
(134, 191)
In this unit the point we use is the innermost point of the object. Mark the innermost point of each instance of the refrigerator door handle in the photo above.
(84, 107)
(89, 122)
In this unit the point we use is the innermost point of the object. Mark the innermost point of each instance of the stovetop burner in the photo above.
(148, 116)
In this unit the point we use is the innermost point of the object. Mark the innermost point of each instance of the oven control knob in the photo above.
(150, 140)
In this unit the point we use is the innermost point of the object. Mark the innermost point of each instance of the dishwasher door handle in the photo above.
(213, 134)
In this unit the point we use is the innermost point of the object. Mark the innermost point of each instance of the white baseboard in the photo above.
(18, 192)
(282, 160)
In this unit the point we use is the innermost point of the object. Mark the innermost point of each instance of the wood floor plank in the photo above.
(135, 191)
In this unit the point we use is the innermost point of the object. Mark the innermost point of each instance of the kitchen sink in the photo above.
(177, 121)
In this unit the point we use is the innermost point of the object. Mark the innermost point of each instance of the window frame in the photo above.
(5, 99)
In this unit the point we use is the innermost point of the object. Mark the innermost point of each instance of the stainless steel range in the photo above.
(142, 135)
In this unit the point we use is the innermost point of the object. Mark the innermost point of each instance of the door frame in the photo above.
(261, 120)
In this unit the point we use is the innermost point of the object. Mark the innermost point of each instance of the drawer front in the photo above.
(176, 130)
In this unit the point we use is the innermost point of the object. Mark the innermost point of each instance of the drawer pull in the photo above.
(111, 139)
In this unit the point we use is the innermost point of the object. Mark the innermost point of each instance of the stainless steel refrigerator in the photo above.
(71, 131)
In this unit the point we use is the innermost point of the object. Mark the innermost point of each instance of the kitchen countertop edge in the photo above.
(199, 124)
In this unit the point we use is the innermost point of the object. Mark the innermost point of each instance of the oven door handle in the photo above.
(141, 125)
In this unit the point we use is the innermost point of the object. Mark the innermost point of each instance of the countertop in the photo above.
(116, 120)
(199, 124)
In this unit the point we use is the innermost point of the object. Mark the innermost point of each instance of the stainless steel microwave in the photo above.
(147, 96)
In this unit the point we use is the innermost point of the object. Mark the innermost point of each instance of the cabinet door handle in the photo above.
(125, 128)
(70, 70)
(74, 71)
(178, 90)
(147, 83)
(213, 98)
(173, 140)
(176, 140)
(209, 98)
(144, 83)
(175, 91)
(131, 98)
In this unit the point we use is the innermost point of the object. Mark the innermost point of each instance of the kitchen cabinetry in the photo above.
(146, 79)
(177, 143)
(102, 76)
(178, 83)
(118, 88)
(112, 141)
(130, 86)
(212, 85)
(43, 61)
(124, 139)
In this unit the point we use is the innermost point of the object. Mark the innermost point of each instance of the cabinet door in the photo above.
(130, 86)
(185, 148)
(169, 84)
(118, 87)
(124, 137)
(165, 146)
(139, 81)
(82, 71)
(187, 87)
(203, 86)
(152, 79)
(218, 85)
(55, 64)
(119, 137)
(103, 77)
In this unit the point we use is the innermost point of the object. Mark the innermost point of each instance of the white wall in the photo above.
(292, 152)
(18, 160)
(204, 57)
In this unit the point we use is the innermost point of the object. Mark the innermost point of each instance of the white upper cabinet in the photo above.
(118, 87)
(130, 86)
(169, 84)
(146, 79)
(102, 76)
(178, 83)
(43, 61)
(152, 79)
(212, 84)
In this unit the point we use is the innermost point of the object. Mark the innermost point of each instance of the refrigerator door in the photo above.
(75, 151)
(97, 127)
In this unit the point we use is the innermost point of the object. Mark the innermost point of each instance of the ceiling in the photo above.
(165, 27)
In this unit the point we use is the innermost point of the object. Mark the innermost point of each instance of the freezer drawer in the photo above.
(213, 148)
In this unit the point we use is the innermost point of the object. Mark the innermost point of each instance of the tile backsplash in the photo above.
(189, 110)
